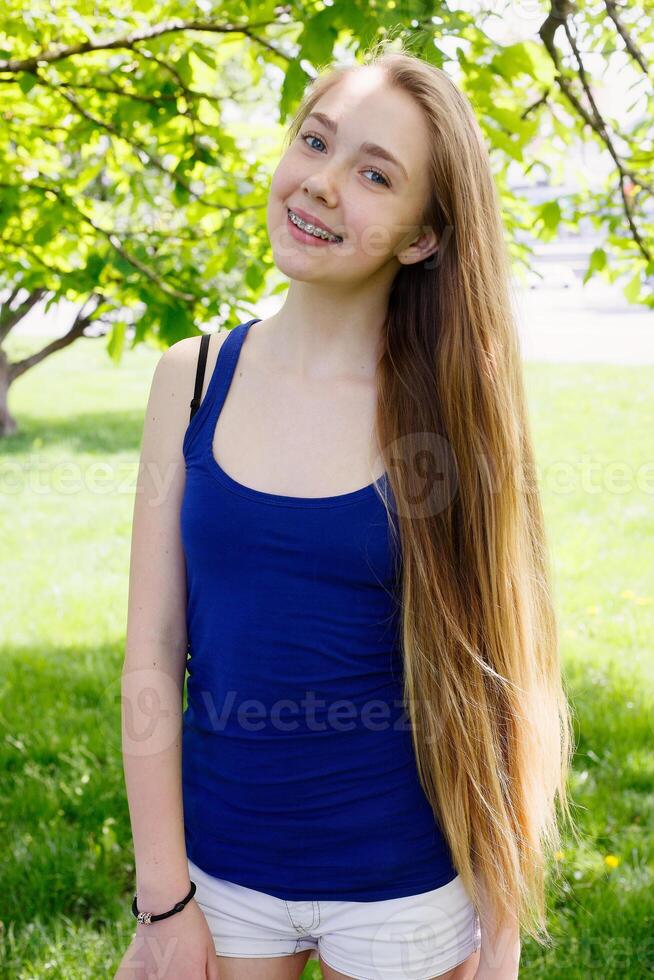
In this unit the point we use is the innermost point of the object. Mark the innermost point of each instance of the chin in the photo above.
(302, 270)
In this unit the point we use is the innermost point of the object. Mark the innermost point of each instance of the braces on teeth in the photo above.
(311, 229)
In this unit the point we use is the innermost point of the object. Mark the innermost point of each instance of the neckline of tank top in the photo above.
(264, 496)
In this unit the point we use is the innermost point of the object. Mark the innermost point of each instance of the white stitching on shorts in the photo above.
(315, 920)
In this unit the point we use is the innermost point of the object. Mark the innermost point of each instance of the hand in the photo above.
(503, 963)
(180, 947)
(502, 973)
(499, 957)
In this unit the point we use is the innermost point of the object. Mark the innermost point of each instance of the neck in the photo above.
(318, 336)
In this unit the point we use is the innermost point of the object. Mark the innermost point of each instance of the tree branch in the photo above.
(558, 17)
(534, 105)
(113, 240)
(77, 328)
(10, 317)
(175, 25)
(36, 258)
(137, 147)
(630, 44)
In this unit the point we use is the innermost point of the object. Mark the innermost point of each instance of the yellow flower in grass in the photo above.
(559, 855)
(592, 610)
(611, 861)
(640, 600)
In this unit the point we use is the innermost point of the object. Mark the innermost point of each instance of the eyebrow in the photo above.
(372, 149)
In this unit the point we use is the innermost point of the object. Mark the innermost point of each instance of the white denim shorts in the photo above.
(413, 938)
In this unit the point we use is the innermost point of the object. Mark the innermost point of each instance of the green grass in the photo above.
(67, 862)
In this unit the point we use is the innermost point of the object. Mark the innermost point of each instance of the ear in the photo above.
(420, 248)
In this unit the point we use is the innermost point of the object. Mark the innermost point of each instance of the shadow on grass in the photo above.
(91, 433)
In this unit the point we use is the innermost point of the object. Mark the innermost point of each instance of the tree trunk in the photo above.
(10, 371)
(7, 421)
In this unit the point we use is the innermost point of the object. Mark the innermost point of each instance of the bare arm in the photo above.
(500, 946)
(154, 668)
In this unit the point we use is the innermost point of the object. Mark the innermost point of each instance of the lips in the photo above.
(310, 219)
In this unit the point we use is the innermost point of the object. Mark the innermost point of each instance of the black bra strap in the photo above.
(199, 374)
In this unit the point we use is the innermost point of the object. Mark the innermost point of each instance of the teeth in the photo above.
(311, 229)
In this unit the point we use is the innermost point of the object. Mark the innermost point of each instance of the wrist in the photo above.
(162, 896)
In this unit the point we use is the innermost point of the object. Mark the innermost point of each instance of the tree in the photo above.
(124, 189)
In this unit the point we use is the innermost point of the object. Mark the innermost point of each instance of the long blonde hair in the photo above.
(491, 724)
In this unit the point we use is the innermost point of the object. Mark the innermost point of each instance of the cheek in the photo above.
(374, 229)
(279, 195)
(275, 186)
(286, 179)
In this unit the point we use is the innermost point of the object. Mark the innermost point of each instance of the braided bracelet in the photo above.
(147, 917)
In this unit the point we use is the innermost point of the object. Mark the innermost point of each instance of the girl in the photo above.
(348, 539)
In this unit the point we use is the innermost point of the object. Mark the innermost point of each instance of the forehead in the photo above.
(367, 108)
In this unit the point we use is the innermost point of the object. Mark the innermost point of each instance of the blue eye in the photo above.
(379, 174)
(312, 136)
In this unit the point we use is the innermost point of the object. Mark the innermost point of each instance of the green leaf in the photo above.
(550, 213)
(116, 341)
(180, 195)
(543, 71)
(319, 36)
(632, 290)
(27, 81)
(176, 322)
(513, 60)
(293, 85)
(596, 262)
(44, 233)
(220, 140)
(511, 147)
(205, 54)
(254, 276)
(184, 69)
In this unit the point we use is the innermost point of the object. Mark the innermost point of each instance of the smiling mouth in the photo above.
(310, 229)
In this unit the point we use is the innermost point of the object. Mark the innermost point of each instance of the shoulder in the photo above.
(176, 369)
(183, 354)
(168, 409)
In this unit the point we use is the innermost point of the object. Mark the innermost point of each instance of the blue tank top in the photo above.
(298, 772)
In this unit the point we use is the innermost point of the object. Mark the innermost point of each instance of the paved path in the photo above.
(560, 319)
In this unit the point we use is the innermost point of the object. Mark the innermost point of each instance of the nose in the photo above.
(322, 186)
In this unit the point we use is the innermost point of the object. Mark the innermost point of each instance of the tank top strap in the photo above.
(204, 419)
